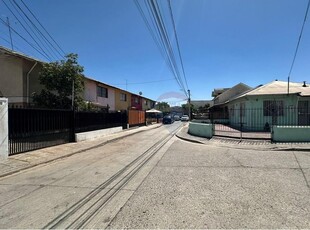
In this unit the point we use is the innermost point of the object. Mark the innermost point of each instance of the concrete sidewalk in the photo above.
(23, 161)
(242, 144)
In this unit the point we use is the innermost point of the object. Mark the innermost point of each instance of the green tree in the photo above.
(58, 79)
(185, 108)
(162, 106)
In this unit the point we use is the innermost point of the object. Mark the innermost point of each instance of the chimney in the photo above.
(304, 85)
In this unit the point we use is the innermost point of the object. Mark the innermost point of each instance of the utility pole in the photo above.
(10, 32)
(189, 104)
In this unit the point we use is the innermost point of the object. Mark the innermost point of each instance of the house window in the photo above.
(123, 97)
(102, 92)
(136, 100)
(145, 102)
(273, 108)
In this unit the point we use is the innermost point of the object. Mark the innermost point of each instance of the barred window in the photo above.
(232, 111)
(123, 97)
(102, 92)
(242, 109)
(273, 108)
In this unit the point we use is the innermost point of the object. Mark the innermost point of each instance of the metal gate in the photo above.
(242, 123)
(136, 118)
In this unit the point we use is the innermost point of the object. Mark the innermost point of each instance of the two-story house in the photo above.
(19, 77)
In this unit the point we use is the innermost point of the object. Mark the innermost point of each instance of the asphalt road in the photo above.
(67, 192)
(179, 185)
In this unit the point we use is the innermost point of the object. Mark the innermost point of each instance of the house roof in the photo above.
(7, 51)
(218, 91)
(111, 86)
(278, 88)
(233, 92)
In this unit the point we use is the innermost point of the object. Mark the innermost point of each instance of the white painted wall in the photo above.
(90, 94)
(4, 129)
(96, 134)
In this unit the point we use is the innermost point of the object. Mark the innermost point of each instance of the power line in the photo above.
(23, 38)
(146, 82)
(43, 27)
(160, 36)
(46, 55)
(166, 41)
(45, 39)
(297, 47)
(177, 41)
(34, 33)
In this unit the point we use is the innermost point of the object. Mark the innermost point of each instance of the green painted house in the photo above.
(275, 103)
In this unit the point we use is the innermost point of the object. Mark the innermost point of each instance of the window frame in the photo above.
(123, 97)
(273, 108)
(102, 91)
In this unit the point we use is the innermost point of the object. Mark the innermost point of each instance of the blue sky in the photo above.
(223, 42)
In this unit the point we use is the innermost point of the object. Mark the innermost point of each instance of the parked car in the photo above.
(185, 118)
(176, 117)
(168, 119)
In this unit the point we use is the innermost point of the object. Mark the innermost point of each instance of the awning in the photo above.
(153, 111)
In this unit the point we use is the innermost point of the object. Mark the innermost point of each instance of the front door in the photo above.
(303, 113)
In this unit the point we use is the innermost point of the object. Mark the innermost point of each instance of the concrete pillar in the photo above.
(4, 129)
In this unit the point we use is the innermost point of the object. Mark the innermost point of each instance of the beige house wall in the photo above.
(11, 76)
(122, 105)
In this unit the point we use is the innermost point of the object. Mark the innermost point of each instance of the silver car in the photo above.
(185, 118)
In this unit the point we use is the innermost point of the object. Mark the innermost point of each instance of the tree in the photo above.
(59, 79)
(163, 106)
(185, 108)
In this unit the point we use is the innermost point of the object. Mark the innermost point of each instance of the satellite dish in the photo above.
(140, 93)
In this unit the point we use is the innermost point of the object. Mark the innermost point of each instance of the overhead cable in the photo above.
(297, 46)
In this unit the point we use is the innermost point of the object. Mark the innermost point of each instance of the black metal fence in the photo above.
(88, 121)
(257, 122)
(31, 129)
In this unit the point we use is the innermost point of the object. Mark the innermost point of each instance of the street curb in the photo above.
(77, 152)
(189, 140)
(275, 148)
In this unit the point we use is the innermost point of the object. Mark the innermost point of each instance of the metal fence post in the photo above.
(72, 126)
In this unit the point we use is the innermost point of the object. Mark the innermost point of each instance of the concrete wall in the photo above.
(4, 129)
(291, 134)
(200, 129)
(95, 134)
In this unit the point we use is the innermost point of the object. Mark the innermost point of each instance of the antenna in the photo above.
(10, 32)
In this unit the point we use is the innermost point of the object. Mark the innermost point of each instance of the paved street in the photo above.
(177, 185)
